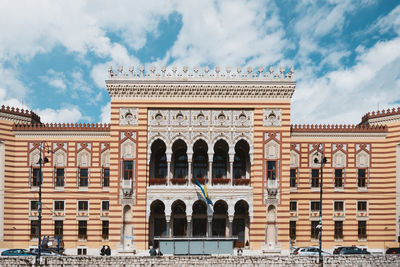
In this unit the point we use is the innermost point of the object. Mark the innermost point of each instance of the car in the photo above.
(17, 252)
(45, 252)
(350, 250)
(309, 251)
(393, 251)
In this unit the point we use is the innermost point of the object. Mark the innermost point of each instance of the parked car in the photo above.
(17, 252)
(350, 250)
(309, 251)
(45, 252)
(393, 251)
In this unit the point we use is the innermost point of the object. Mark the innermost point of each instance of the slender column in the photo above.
(168, 219)
(168, 167)
(230, 218)
(189, 225)
(231, 159)
(209, 175)
(189, 172)
(209, 226)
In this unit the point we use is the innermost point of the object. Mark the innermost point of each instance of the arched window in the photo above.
(180, 164)
(200, 165)
(220, 164)
(239, 165)
(161, 166)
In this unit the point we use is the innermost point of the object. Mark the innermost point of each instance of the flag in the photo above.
(204, 191)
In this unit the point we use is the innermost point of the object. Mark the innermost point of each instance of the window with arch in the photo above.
(161, 166)
(180, 164)
(220, 164)
(200, 163)
(239, 165)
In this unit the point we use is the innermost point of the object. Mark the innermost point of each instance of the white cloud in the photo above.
(55, 79)
(105, 116)
(62, 115)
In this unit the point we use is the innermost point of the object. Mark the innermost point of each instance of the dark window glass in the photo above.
(220, 164)
(83, 177)
(293, 177)
(362, 177)
(82, 230)
(338, 230)
(59, 177)
(314, 231)
(104, 231)
(106, 177)
(82, 251)
(315, 178)
(338, 206)
(271, 170)
(180, 164)
(59, 205)
(35, 176)
(58, 228)
(292, 230)
(128, 169)
(239, 165)
(83, 205)
(338, 177)
(293, 206)
(161, 166)
(362, 230)
(34, 228)
(315, 206)
(34, 205)
(105, 205)
(362, 205)
(200, 165)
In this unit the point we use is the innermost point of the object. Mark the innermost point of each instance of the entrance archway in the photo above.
(241, 223)
(219, 218)
(199, 219)
(157, 222)
(178, 217)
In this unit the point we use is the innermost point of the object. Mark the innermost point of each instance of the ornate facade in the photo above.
(131, 181)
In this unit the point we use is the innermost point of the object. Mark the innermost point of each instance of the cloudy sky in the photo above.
(54, 55)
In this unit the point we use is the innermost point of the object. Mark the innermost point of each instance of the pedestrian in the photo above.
(152, 251)
(108, 250)
(103, 251)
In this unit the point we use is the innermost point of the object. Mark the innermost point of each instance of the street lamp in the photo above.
(319, 226)
(42, 160)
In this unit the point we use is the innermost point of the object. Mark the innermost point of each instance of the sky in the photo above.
(54, 55)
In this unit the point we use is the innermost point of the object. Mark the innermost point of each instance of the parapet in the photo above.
(62, 127)
(19, 115)
(381, 117)
(334, 128)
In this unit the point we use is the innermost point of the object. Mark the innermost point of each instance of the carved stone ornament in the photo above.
(272, 117)
(128, 116)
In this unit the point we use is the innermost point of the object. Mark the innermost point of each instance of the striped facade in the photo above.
(267, 197)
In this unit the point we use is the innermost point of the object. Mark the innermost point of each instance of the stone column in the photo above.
(231, 159)
(189, 225)
(189, 176)
(209, 226)
(230, 218)
(209, 174)
(168, 225)
(168, 167)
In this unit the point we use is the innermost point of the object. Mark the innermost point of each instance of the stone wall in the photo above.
(183, 261)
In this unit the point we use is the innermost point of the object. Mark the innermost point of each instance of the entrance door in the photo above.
(238, 230)
(179, 226)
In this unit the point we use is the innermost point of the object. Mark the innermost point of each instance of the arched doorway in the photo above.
(127, 227)
(240, 223)
(199, 219)
(241, 163)
(178, 217)
(157, 222)
(219, 218)
(158, 160)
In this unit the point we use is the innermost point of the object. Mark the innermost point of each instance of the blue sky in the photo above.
(54, 55)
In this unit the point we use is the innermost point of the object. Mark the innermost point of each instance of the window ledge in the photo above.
(338, 189)
(362, 189)
(315, 189)
(293, 189)
(34, 188)
(59, 188)
(83, 188)
(106, 189)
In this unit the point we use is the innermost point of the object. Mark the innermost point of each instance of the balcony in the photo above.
(126, 184)
(157, 181)
(200, 180)
(221, 181)
(179, 181)
(241, 181)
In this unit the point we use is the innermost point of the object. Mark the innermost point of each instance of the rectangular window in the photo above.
(34, 229)
(315, 206)
(35, 176)
(83, 177)
(58, 229)
(293, 206)
(83, 205)
(362, 230)
(82, 251)
(104, 231)
(105, 205)
(338, 206)
(362, 206)
(338, 178)
(59, 182)
(338, 230)
(315, 178)
(106, 177)
(82, 230)
(292, 230)
(34, 205)
(128, 169)
(293, 177)
(271, 170)
(59, 205)
(362, 177)
(314, 230)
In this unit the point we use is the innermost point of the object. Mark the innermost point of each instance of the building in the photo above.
(129, 182)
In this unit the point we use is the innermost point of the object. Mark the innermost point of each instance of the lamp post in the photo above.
(319, 227)
(42, 160)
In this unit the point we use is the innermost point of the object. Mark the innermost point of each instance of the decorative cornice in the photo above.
(187, 85)
(373, 117)
(335, 128)
(18, 115)
(62, 127)
(61, 134)
(337, 135)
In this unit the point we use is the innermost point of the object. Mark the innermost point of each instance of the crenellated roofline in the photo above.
(381, 117)
(335, 128)
(19, 115)
(61, 127)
